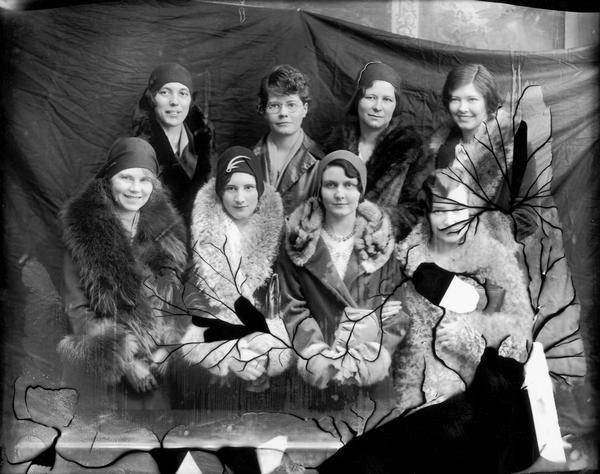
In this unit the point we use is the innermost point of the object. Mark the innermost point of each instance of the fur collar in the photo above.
(397, 147)
(217, 243)
(482, 255)
(113, 270)
(373, 236)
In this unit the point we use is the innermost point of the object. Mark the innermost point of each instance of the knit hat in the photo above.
(169, 72)
(129, 152)
(377, 71)
(345, 155)
(238, 159)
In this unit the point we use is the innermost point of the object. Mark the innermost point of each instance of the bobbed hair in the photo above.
(351, 109)
(482, 80)
(283, 80)
(350, 172)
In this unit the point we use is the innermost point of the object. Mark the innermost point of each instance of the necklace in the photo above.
(337, 237)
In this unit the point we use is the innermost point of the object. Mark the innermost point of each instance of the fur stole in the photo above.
(373, 236)
(228, 264)
(127, 283)
(482, 256)
(397, 149)
(395, 172)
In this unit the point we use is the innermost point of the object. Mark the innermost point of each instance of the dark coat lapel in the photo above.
(321, 266)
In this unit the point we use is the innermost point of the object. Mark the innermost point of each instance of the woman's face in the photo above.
(449, 217)
(172, 104)
(339, 194)
(131, 188)
(284, 113)
(376, 107)
(468, 108)
(240, 196)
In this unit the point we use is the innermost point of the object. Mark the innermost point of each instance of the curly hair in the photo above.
(283, 80)
(350, 172)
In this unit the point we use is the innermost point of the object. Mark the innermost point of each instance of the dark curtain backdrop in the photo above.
(72, 75)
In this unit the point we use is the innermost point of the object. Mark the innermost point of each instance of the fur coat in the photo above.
(228, 264)
(115, 288)
(395, 171)
(314, 296)
(513, 164)
(421, 367)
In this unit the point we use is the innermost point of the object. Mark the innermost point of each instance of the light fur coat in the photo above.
(228, 264)
(419, 371)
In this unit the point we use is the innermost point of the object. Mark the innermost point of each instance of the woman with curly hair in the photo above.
(289, 157)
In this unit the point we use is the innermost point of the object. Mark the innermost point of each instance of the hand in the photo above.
(140, 378)
(261, 343)
(250, 368)
(357, 326)
(319, 369)
(390, 309)
(371, 361)
(459, 346)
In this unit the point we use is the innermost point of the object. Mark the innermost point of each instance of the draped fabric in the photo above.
(73, 74)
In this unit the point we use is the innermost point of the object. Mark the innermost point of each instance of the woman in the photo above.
(336, 276)
(466, 289)
(394, 154)
(169, 117)
(126, 250)
(513, 170)
(236, 229)
(288, 156)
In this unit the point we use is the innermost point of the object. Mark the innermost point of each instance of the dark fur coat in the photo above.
(395, 171)
(121, 286)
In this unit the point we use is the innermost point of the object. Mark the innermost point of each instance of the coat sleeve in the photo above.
(77, 306)
(99, 346)
(303, 329)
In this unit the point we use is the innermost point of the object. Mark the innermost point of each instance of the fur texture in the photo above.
(373, 237)
(228, 265)
(395, 171)
(126, 283)
(420, 367)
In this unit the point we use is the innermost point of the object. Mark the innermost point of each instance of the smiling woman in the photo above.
(126, 252)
